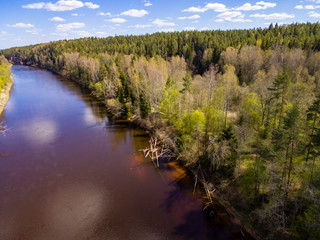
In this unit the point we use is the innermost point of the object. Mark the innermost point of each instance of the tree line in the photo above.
(242, 105)
(5, 72)
(198, 48)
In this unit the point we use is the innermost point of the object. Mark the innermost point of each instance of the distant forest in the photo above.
(243, 106)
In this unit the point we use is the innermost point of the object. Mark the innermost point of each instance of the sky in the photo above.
(25, 22)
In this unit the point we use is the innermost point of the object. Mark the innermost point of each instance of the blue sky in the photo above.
(25, 22)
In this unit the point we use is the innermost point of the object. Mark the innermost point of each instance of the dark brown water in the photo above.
(67, 171)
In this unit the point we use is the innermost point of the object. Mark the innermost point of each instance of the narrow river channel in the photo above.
(70, 172)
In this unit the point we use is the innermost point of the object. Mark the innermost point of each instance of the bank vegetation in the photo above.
(6, 81)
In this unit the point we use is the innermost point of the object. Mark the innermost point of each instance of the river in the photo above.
(69, 171)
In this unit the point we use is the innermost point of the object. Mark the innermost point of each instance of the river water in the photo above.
(68, 171)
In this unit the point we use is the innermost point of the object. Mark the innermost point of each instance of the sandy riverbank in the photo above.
(5, 93)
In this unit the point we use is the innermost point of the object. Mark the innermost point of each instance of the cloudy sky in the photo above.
(25, 22)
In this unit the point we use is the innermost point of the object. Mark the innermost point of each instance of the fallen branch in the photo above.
(155, 151)
(3, 129)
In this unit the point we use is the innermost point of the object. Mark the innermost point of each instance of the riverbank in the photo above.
(5, 94)
(168, 136)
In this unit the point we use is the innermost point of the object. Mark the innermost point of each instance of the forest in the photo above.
(241, 105)
(5, 72)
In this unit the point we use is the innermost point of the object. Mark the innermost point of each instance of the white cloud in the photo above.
(217, 7)
(236, 20)
(148, 4)
(116, 20)
(91, 5)
(311, 7)
(167, 30)
(194, 9)
(104, 14)
(34, 31)
(163, 23)
(141, 26)
(69, 26)
(204, 29)
(102, 34)
(21, 25)
(61, 5)
(189, 28)
(59, 34)
(3, 33)
(75, 14)
(191, 17)
(258, 6)
(135, 13)
(34, 5)
(314, 14)
(229, 15)
(273, 16)
(57, 19)
(308, 7)
(232, 16)
(82, 33)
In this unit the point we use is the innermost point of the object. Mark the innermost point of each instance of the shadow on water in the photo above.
(191, 229)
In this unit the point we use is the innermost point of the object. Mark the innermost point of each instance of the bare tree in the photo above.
(3, 128)
(155, 151)
(250, 61)
(229, 57)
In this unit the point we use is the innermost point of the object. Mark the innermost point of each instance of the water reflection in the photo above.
(39, 131)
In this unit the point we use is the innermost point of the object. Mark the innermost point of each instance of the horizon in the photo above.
(31, 22)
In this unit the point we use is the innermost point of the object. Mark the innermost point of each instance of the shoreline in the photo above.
(5, 94)
(235, 216)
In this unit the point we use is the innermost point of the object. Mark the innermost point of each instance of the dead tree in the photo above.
(155, 151)
(3, 129)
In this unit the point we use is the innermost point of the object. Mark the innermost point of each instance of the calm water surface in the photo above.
(70, 172)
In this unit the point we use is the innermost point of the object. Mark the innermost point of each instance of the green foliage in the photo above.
(191, 45)
(187, 81)
(229, 135)
(192, 124)
(251, 110)
(307, 224)
(5, 72)
(144, 107)
(253, 177)
(169, 104)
